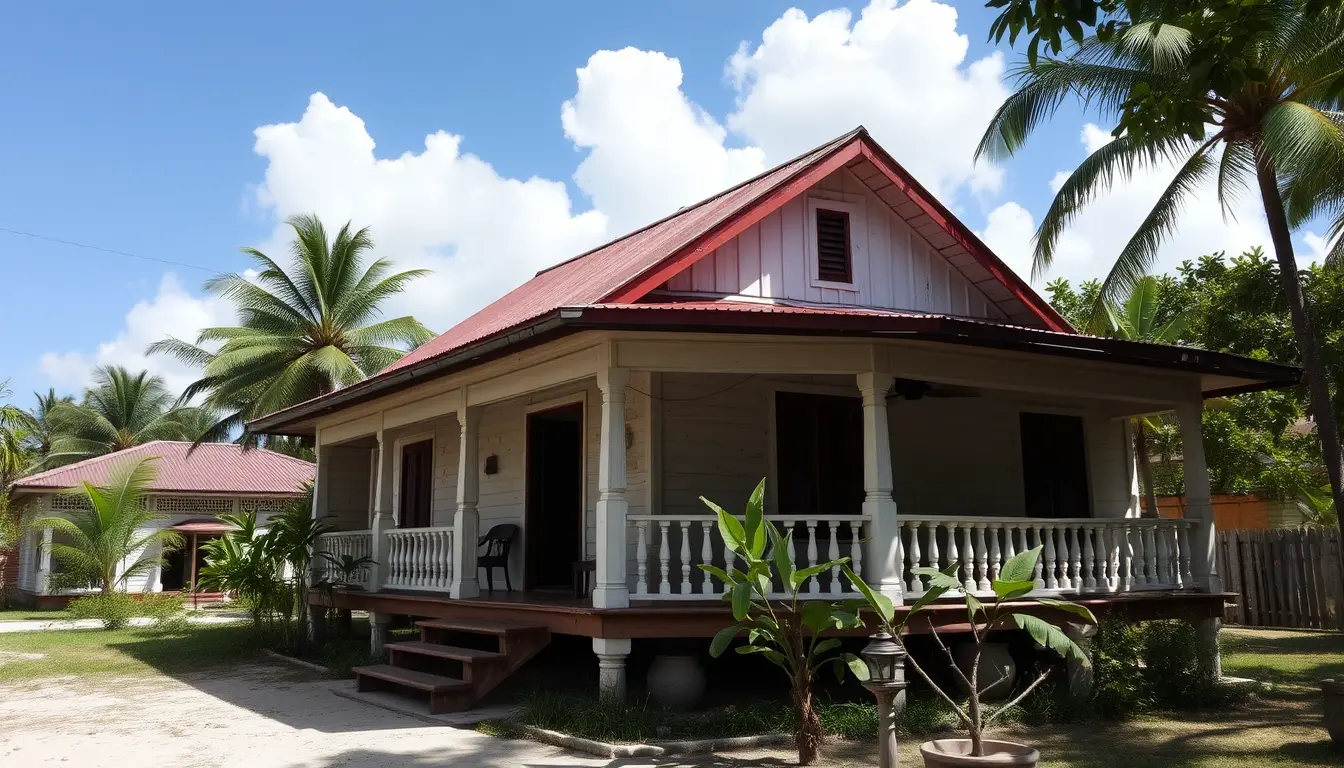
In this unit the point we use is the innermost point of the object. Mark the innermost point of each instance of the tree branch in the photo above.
(965, 719)
(950, 657)
(1019, 697)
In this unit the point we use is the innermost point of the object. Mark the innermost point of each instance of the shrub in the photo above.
(1120, 687)
(167, 611)
(113, 609)
(1176, 677)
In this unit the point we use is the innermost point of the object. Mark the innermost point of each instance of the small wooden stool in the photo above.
(583, 579)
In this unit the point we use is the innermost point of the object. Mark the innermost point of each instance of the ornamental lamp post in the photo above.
(885, 659)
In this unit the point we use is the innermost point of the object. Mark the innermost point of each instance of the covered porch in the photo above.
(895, 454)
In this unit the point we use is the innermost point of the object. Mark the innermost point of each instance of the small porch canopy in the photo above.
(474, 404)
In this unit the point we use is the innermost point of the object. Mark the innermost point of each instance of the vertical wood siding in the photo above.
(894, 266)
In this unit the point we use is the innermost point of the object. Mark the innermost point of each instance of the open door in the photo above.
(553, 526)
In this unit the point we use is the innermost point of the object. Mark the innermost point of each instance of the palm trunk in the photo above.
(807, 727)
(1145, 467)
(1319, 403)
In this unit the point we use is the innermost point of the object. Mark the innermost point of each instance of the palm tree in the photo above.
(42, 434)
(1279, 130)
(114, 527)
(15, 428)
(121, 410)
(304, 332)
(1137, 320)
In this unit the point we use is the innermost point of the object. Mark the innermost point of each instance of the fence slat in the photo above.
(1283, 577)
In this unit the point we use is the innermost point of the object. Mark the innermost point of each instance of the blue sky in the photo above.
(132, 128)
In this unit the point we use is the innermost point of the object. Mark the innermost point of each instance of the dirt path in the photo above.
(259, 716)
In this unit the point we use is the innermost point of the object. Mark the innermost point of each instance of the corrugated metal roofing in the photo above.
(211, 468)
(594, 275)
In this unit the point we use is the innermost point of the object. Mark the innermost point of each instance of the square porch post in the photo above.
(1198, 504)
(467, 521)
(883, 572)
(611, 590)
(382, 512)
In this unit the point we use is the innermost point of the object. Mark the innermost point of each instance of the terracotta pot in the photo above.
(1333, 692)
(996, 663)
(676, 682)
(954, 753)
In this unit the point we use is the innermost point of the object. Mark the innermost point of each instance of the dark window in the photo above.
(819, 452)
(1054, 466)
(833, 262)
(417, 485)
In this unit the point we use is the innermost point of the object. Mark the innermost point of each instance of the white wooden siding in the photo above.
(894, 267)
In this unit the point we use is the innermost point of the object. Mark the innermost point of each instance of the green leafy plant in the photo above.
(113, 609)
(115, 528)
(1014, 583)
(241, 564)
(786, 632)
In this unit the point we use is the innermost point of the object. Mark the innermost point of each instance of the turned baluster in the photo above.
(642, 559)
(1050, 581)
(814, 583)
(1183, 541)
(982, 581)
(706, 557)
(953, 556)
(833, 554)
(916, 585)
(995, 554)
(685, 557)
(1150, 575)
(1089, 558)
(664, 556)
(856, 550)
(967, 558)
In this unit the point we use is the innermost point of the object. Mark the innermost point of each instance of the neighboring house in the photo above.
(1241, 512)
(829, 326)
(190, 490)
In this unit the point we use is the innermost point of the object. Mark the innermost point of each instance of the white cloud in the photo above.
(1090, 245)
(900, 70)
(1315, 251)
(171, 312)
(651, 149)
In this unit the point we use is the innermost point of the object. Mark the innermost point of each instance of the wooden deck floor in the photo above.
(565, 614)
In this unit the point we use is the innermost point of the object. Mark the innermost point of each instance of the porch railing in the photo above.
(419, 558)
(669, 547)
(356, 544)
(1078, 555)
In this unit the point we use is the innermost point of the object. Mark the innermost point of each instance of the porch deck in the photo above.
(565, 614)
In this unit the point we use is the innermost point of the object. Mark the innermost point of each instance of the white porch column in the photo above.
(884, 533)
(1197, 503)
(611, 654)
(44, 563)
(467, 521)
(382, 511)
(611, 590)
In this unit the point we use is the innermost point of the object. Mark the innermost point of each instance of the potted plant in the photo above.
(1013, 584)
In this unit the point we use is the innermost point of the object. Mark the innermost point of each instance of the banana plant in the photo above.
(787, 631)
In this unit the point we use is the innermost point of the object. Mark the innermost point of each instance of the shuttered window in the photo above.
(833, 263)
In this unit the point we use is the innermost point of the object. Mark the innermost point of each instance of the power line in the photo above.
(107, 250)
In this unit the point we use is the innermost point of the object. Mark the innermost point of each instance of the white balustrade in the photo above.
(681, 543)
(1078, 555)
(419, 559)
(338, 544)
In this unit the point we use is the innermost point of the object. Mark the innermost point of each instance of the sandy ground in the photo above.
(261, 716)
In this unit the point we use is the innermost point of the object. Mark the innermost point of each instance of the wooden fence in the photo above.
(1284, 577)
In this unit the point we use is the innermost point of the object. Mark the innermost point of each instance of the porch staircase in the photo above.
(455, 662)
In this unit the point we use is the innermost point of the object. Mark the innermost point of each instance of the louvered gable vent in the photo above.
(833, 246)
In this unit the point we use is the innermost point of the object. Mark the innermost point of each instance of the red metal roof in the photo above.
(211, 468)
(592, 276)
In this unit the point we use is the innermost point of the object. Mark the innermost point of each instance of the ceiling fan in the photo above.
(914, 389)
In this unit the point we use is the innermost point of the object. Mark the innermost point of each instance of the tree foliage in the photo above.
(121, 410)
(113, 537)
(304, 331)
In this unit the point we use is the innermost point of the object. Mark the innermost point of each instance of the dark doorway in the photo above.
(1054, 466)
(417, 485)
(554, 524)
(819, 453)
(174, 573)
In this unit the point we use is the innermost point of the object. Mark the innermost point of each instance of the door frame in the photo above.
(397, 446)
(554, 404)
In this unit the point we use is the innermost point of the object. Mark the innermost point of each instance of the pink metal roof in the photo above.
(211, 468)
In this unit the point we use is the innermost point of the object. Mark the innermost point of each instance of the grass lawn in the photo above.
(29, 615)
(133, 651)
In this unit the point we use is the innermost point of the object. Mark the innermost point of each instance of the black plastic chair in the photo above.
(496, 541)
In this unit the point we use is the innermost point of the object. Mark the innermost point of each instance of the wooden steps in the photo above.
(455, 662)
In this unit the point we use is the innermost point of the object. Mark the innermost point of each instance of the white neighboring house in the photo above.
(190, 491)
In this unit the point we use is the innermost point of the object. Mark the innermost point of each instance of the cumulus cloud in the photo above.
(901, 70)
(650, 149)
(1090, 245)
(171, 312)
